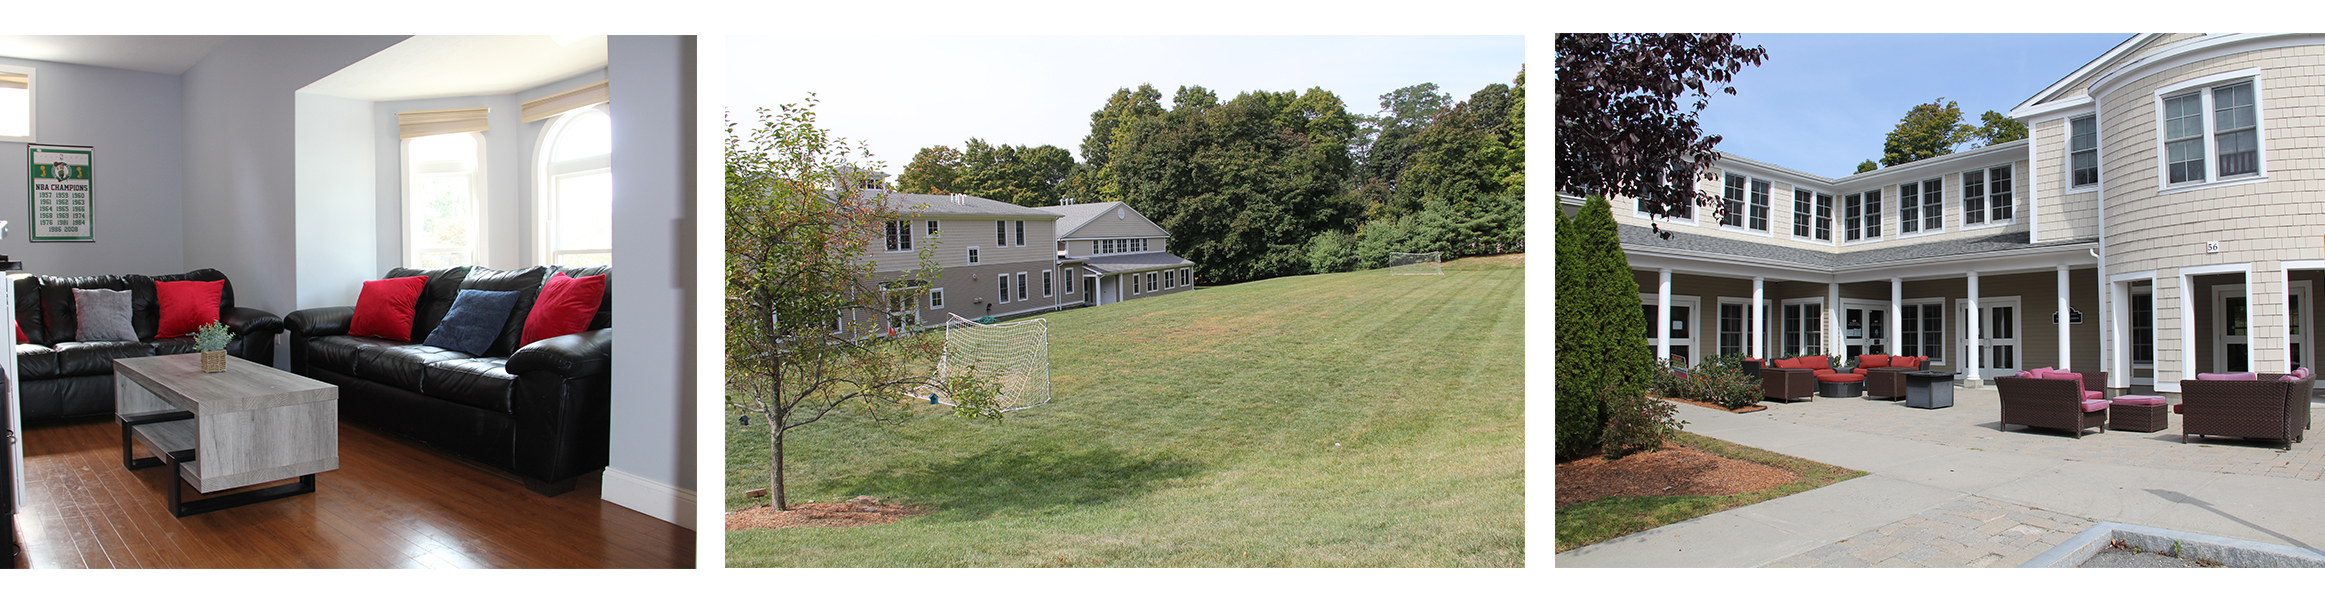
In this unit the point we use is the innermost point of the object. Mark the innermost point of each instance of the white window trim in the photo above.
(2069, 147)
(544, 190)
(2202, 86)
(904, 245)
(1986, 199)
(1716, 329)
(1690, 220)
(2136, 289)
(1187, 276)
(1004, 288)
(1834, 227)
(1022, 288)
(1746, 214)
(1920, 203)
(31, 104)
(1021, 234)
(1001, 233)
(1776, 325)
(480, 246)
(1841, 220)
(974, 257)
(1047, 283)
(1945, 326)
(936, 298)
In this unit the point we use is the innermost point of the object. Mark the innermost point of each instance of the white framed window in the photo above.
(1068, 279)
(1021, 286)
(1921, 324)
(1757, 219)
(1812, 215)
(1803, 328)
(932, 230)
(443, 200)
(1130, 282)
(1152, 279)
(1861, 216)
(1004, 288)
(576, 192)
(1001, 234)
(2210, 131)
(973, 255)
(1686, 216)
(900, 236)
(2143, 325)
(1921, 206)
(936, 297)
(1045, 284)
(1021, 233)
(903, 308)
(1186, 276)
(17, 103)
(1732, 199)
(1061, 247)
(1986, 196)
(2083, 151)
(1170, 279)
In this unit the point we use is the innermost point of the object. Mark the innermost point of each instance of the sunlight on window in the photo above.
(442, 228)
(576, 201)
(16, 104)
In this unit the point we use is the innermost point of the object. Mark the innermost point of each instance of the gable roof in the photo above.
(2082, 77)
(1074, 217)
(929, 205)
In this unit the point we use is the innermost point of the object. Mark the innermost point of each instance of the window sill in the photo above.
(1747, 231)
(2197, 187)
(2081, 189)
(1922, 233)
(1990, 224)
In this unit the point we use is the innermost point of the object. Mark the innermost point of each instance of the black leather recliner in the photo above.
(539, 411)
(63, 378)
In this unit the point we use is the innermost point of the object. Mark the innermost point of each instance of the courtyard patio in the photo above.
(1946, 489)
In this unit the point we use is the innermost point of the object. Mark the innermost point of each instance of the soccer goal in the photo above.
(1406, 263)
(1013, 356)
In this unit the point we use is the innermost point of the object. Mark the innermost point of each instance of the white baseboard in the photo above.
(656, 499)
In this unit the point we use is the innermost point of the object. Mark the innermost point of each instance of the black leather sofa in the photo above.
(63, 378)
(539, 412)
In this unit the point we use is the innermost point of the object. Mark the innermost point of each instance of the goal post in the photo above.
(1013, 357)
(1408, 263)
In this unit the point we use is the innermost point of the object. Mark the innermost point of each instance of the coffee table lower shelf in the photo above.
(171, 436)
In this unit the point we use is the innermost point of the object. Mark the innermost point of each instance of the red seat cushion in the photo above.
(1873, 361)
(565, 306)
(385, 308)
(1905, 361)
(1815, 362)
(187, 305)
(2177, 409)
(2094, 405)
(1829, 376)
(2139, 400)
(2094, 395)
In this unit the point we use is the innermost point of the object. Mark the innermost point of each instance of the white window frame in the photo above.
(1692, 209)
(547, 176)
(1170, 279)
(899, 235)
(2204, 88)
(1732, 186)
(1001, 233)
(1153, 281)
(1986, 198)
(1020, 234)
(31, 103)
(1004, 288)
(1779, 329)
(932, 230)
(936, 298)
(2072, 187)
(1868, 227)
(1067, 281)
(1045, 283)
(1129, 281)
(1922, 204)
(974, 257)
(1021, 287)
(2131, 325)
(1186, 276)
(1945, 320)
(476, 193)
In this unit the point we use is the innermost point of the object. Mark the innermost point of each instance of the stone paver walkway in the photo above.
(1970, 532)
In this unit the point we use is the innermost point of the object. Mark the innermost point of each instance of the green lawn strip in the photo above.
(1198, 429)
(1608, 518)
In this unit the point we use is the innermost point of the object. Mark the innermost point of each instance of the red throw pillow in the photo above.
(385, 308)
(565, 306)
(1873, 361)
(186, 305)
(1904, 361)
(20, 334)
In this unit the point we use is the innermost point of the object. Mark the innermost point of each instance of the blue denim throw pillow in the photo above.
(474, 321)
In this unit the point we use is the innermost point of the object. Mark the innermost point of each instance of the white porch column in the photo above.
(1970, 337)
(2066, 360)
(2119, 342)
(1759, 318)
(1896, 313)
(1663, 314)
(1833, 322)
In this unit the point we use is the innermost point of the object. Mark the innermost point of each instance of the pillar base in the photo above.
(1973, 383)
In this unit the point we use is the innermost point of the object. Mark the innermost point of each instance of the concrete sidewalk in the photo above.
(1958, 493)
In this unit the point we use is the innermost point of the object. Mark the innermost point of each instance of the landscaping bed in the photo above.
(1599, 499)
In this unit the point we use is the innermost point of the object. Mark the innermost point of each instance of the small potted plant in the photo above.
(211, 339)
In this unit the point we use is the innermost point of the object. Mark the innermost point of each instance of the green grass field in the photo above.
(1199, 429)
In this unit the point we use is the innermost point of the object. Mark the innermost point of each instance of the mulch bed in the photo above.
(1748, 409)
(858, 512)
(1674, 471)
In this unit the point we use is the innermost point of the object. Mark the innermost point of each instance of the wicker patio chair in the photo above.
(1787, 385)
(2268, 409)
(2051, 403)
(1887, 382)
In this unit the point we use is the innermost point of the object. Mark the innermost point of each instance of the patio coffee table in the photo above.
(1929, 389)
(248, 425)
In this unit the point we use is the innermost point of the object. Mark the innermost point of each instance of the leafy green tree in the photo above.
(1515, 181)
(1025, 176)
(1600, 357)
(1331, 252)
(932, 171)
(798, 226)
(1867, 166)
(1928, 130)
(1193, 96)
(1385, 145)
(1995, 129)
(1242, 186)
(1467, 153)
(1093, 180)
(1621, 130)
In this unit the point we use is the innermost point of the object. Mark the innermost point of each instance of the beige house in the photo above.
(1122, 254)
(2156, 216)
(996, 259)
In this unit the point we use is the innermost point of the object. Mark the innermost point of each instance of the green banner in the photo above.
(63, 193)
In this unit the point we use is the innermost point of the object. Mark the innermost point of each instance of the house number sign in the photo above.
(63, 193)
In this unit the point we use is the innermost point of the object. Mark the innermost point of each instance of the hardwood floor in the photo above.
(391, 504)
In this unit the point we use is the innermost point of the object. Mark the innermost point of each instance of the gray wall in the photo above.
(652, 85)
(333, 214)
(132, 119)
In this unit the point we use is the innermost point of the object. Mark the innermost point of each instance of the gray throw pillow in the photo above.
(474, 321)
(103, 316)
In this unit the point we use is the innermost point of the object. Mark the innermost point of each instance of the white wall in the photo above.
(240, 160)
(132, 119)
(333, 213)
(507, 152)
(655, 400)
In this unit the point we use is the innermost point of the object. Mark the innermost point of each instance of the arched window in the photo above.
(576, 191)
(443, 180)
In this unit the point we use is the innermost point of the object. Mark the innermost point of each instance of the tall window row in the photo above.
(2211, 133)
(445, 192)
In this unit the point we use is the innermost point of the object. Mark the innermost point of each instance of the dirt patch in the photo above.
(858, 512)
(1748, 409)
(1674, 471)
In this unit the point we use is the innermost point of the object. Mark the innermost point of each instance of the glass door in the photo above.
(2231, 330)
(1998, 337)
(1865, 329)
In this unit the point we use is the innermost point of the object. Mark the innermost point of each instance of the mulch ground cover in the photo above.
(1675, 471)
(857, 512)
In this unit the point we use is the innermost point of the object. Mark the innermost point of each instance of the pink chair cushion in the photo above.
(2078, 377)
(2303, 372)
(2140, 400)
(2094, 395)
(2288, 378)
(2094, 405)
(2228, 377)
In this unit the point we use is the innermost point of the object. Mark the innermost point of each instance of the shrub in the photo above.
(1723, 382)
(1600, 359)
(1638, 424)
(1331, 252)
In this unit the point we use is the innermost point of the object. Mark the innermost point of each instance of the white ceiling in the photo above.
(439, 66)
(165, 54)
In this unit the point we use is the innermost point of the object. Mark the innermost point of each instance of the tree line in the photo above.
(1269, 184)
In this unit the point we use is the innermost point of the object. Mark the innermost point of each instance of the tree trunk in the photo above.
(775, 467)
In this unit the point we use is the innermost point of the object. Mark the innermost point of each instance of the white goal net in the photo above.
(1406, 263)
(1014, 356)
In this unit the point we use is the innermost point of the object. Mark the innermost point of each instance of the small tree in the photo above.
(1600, 355)
(1928, 130)
(1621, 129)
(808, 328)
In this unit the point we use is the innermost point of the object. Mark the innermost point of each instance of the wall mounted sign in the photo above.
(2074, 317)
(63, 193)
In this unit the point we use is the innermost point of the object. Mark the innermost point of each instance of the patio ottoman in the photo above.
(2145, 414)
(1840, 385)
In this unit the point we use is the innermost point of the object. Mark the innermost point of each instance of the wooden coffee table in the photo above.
(248, 425)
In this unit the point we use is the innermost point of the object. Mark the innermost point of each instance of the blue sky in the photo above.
(904, 93)
(1822, 103)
